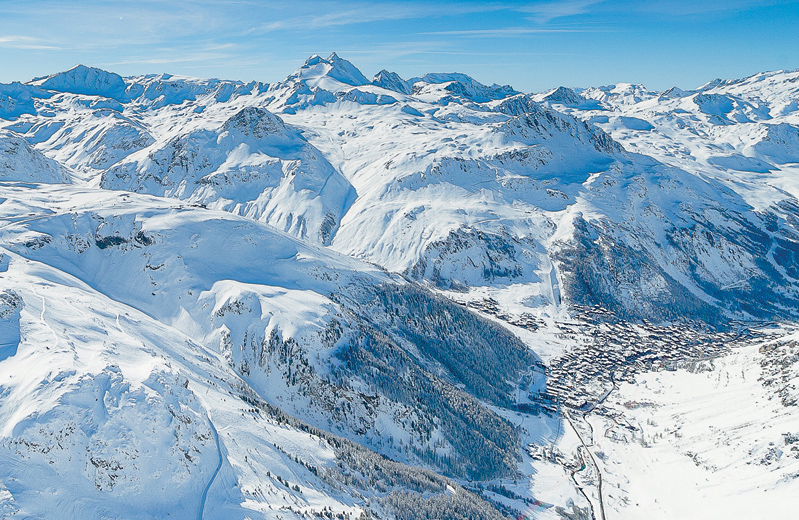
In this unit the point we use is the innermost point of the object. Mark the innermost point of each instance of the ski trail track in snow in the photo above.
(216, 471)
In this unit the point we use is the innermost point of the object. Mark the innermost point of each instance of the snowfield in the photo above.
(698, 442)
(336, 297)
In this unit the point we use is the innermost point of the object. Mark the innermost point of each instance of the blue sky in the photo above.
(531, 45)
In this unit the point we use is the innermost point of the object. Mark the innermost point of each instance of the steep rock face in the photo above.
(564, 96)
(17, 99)
(469, 257)
(392, 81)
(10, 306)
(724, 109)
(462, 86)
(253, 165)
(151, 91)
(776, 143)
(333, 67)
(162, 90)
(621, 93)
(94, 141)
(535, 123)
(320, 82)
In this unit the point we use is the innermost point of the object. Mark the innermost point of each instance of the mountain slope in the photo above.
(20, 162)
(153, 348)
(309, 330)
(252, 165)
(465, 186)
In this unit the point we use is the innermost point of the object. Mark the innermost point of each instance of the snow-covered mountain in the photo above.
(149, 305)
(253, 165)
(459, 184)
(330, 297)
(508, 192)
(19, 161)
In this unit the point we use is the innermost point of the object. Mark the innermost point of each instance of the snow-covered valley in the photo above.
(335, 297)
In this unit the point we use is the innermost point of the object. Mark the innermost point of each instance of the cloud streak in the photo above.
(545, 12)
(24, 42)
(513, 31)
(337, 14)
(696, 7)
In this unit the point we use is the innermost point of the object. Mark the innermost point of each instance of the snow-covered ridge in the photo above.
(161, 89)
(389, 170)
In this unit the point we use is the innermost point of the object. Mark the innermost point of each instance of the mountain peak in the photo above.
(392, 81)
(466, 86)
(334, 67)
(313, 60)
(255, 121)
(563, 96)
(673, 92)
(81, 79)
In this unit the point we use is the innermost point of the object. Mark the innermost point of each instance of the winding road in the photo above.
(596, 468)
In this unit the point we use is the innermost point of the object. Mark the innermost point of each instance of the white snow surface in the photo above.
(152, 226)
(110, 391)
(710, 443)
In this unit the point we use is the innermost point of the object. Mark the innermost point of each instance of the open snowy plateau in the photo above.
(335, 297)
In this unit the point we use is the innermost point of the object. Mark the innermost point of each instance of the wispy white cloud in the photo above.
(81, 25)
(324, 14)
(24, 42)
(267, 39)
(212, 54)
(540, 16)
(695, 7)
(331, 19)
(211, 58)
(545, 12)
(513, 31)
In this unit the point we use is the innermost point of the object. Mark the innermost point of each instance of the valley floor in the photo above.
(715, 438)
